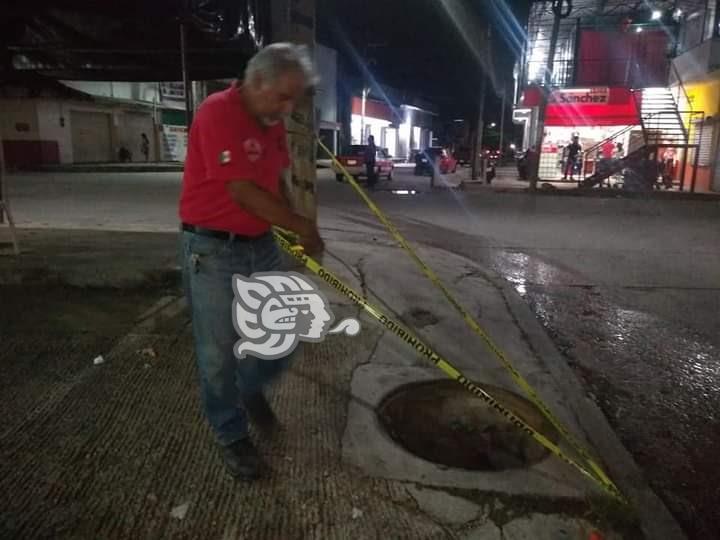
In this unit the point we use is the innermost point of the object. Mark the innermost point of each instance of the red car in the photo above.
(354, 163)
(437, 155)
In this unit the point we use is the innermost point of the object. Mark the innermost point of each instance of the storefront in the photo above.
(400, 130)
(593, 115)
(377, 121)
(704, 96)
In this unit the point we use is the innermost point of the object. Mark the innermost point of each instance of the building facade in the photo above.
(326, 99)
(401, 128)
(630, 82)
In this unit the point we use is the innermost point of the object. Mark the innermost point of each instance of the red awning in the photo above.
(373, 109)
(619, 109)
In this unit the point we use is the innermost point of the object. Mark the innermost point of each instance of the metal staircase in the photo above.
(660, 117)
(661, 122)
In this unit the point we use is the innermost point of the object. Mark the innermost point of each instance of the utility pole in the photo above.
(294, 21)
(557, 8)
(502, 120)
(365, 92)
(5, 203)
(478, 136)
(187, 85)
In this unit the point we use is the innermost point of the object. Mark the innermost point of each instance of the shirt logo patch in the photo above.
(253, 149)
(225, 157)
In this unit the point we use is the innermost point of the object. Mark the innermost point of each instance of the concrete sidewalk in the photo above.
(507, 181)
(120, 450)
(132, 167)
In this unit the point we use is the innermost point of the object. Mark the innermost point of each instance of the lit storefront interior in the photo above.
(594, 115)
(400, 130)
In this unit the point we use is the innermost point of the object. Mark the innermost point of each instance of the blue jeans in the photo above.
(208, 265)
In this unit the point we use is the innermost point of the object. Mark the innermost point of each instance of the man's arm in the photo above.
(263, 204)
(284, 186)
(275, 210)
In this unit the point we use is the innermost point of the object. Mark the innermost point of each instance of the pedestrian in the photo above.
(573, 153)
(370, 163)
(231, 195)
(145, 146)
(608, 147)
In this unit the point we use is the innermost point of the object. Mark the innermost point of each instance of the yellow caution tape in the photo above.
(285, 240)
(595, 471)
(519, 379)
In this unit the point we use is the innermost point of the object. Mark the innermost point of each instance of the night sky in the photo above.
(425, 45)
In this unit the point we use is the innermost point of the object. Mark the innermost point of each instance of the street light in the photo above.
(656, 15)
(365, 92)
(493, 125)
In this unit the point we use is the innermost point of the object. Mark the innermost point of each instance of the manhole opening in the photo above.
(442, 422)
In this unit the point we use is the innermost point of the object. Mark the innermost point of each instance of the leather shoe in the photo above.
(242, 459)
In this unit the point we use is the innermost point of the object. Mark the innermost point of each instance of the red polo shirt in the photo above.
(227, 144)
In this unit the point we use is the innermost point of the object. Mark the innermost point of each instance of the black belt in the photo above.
(222, 235)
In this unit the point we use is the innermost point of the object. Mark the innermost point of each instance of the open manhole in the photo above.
(442, 422)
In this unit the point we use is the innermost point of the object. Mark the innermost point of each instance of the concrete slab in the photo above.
(553, 527)
(444, 507)
(406, 288)
(487, 531)
(366, 445)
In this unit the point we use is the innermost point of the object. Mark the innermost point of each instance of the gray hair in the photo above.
(278, 58)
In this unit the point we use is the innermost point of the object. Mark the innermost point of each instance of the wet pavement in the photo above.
(659, 386)
(655, 376)
(119, 449)
(629, 291)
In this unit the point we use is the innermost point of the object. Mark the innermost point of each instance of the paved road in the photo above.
(629, 290)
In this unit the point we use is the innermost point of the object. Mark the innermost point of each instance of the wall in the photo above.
(326, 93)
(23, 145)
(698, 64)
(47, 140)
(129, 127)
(373, 109)
(705, 96)
(49, 114)
(372, 126)
(18, 113)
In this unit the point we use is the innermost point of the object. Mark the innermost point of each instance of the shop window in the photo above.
(693, 31)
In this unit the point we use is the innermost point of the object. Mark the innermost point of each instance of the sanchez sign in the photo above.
(569, 96)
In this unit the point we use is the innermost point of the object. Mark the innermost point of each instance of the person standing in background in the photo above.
(370, 153)
(573, 153)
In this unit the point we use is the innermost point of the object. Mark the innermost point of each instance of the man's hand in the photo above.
(313, 244)
(310, 238)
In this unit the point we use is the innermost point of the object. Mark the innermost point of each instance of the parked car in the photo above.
(354, 163)
(435, 156)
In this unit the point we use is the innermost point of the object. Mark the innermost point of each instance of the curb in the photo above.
(99, 279)
(598, 193)
(104, 168)
(655, 519)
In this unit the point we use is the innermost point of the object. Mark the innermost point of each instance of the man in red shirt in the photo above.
(232, 194)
